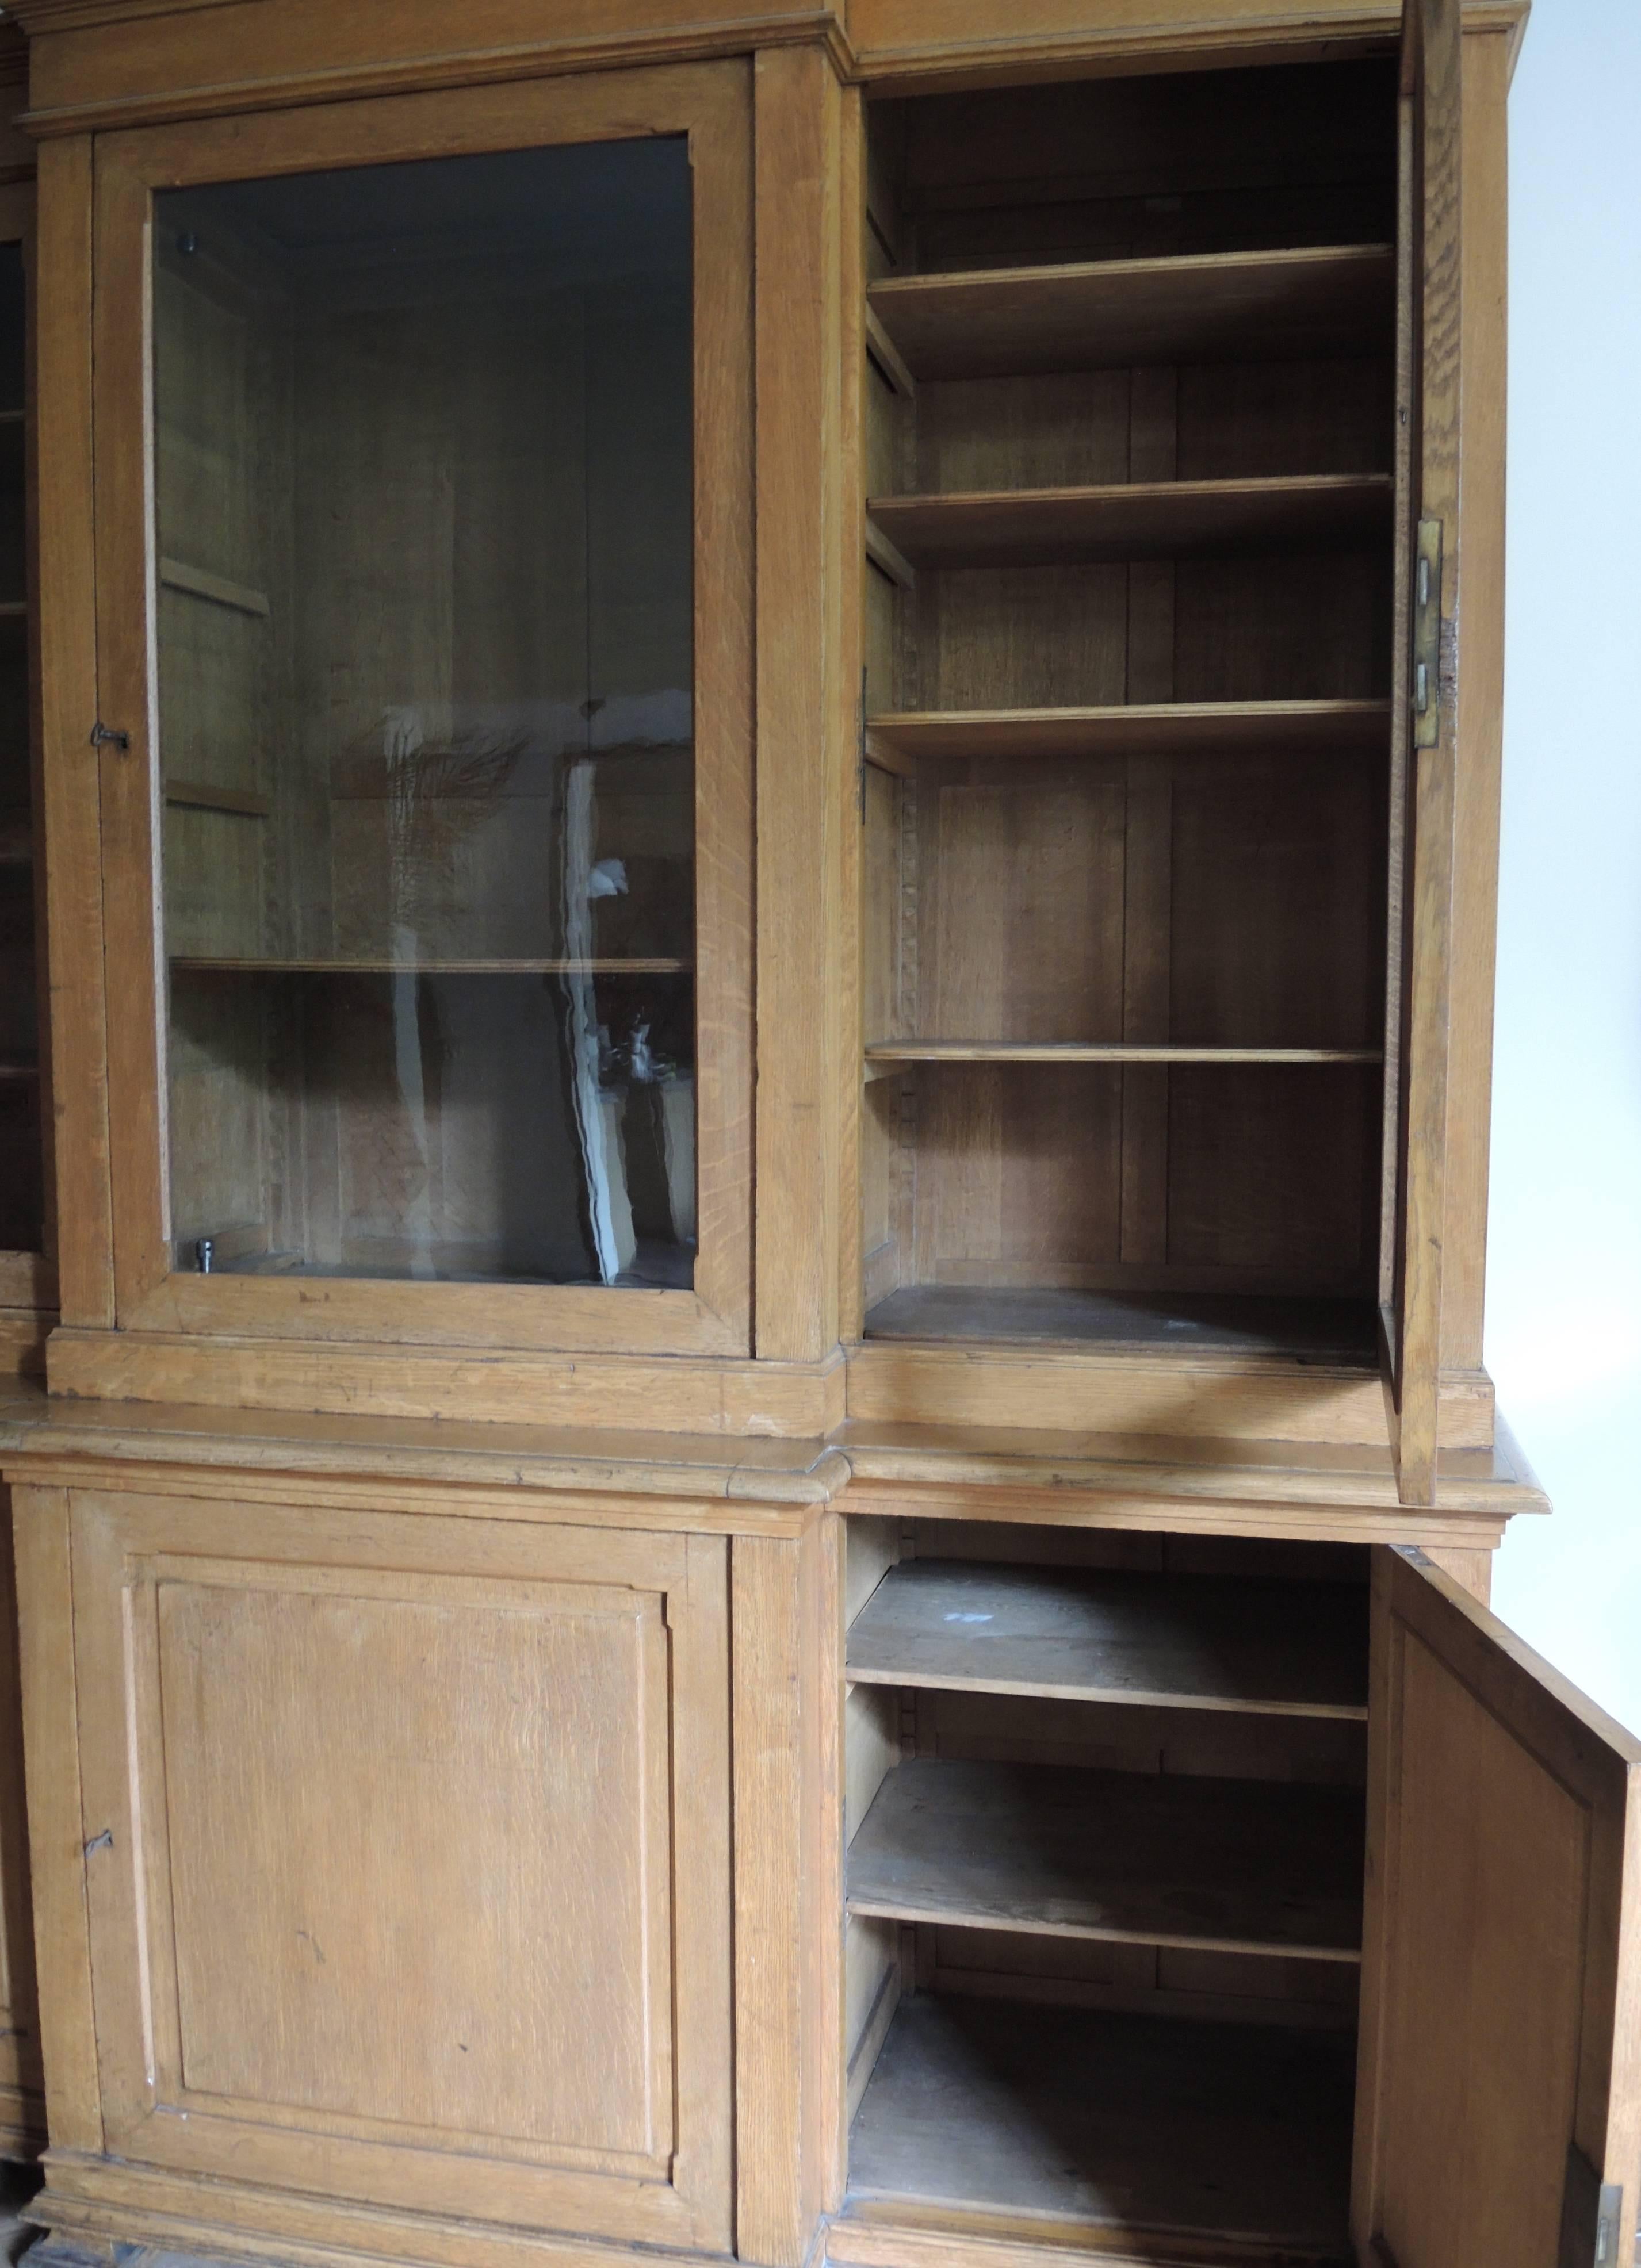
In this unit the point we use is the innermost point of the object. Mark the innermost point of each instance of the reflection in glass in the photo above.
(424, 527)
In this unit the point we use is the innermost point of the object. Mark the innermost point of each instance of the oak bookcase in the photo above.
(760, 1522)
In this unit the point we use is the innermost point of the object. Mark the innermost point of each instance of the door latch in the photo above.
(1427, 634)
(104, 736)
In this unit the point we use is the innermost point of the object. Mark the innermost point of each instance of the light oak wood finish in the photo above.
(1060, 1309)
(1489, 57)
(636, 967)
(387, 1380)
(1155, 519)
(713, 106)
(28, 1295)
(1113, 313)
(1050, 2124)
(641, 2136)
(1238, 1866)
(1431, 317)
(1141, 1639)
(1313, 727)
(136, 58)
(919, 45)
(1498, 2085)
(811, 544)
(57, 1835)
(789, 2080)
(1070, 1051)
(22, 2078)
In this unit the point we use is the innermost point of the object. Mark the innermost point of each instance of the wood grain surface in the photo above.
(1189, 1641)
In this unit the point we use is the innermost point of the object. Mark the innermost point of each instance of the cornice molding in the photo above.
(1199, 40)
(37, 16)
(538, 58)
(1266, 36)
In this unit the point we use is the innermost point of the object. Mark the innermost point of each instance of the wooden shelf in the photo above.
(204, 795)
(17, 842)
(13, 610)
(238, 965)
(19, 1074)
(1280, 1649)
(1115, 1051)
(1179, 1319)
(1057, 2116)
(1243, 306)
(1140, 521)
(200, 582)
(1266, 1867)
(1320, 728)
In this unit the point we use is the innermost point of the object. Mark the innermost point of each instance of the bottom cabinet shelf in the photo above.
(1068, 2116)
(1321, 1329)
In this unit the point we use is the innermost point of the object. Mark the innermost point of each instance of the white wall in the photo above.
(1563, 1332)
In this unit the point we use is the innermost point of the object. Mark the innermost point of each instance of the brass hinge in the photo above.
(1427, 634)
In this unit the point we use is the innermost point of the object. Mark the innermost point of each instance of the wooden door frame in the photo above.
(711, 103)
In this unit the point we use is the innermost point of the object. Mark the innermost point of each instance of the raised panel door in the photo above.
(408, 1859)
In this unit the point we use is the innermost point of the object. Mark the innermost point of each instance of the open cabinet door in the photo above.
(1424, 728)
(1498, 2107)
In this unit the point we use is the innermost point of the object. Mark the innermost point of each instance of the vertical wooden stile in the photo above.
(809, 562)
(1411, 1299)
(65, 582)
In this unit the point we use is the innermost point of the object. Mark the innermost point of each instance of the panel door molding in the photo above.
(408, 1860)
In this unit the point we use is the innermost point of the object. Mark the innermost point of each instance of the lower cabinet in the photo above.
(1228, 1899)
(406, 1855)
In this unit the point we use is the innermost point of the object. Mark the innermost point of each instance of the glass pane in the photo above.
(425, 652)
(22, 1191)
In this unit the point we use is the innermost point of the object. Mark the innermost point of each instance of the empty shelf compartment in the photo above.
(1073, 2117)
(1188, 1641)
(1248, 306)
(1231, 1865)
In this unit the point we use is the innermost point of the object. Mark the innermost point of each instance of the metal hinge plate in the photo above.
(1427, 634)
(1609, 2227)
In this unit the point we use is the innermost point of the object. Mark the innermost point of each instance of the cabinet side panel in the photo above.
(788, 1623)
(68, 663)
(1481, 535)
(22, 2109)
(56, 1833)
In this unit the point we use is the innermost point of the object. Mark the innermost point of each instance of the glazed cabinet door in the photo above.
(408, 1858)
(1424, 739)
(1498, 2110)
(423, 497)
